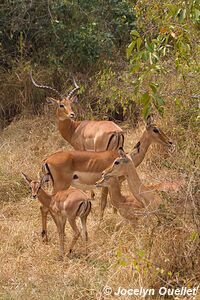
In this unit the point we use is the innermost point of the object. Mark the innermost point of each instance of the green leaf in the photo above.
(177, 13)
(139, 42)
(136, 265)
(119, 253)
(149, 46)
(122, 263)
(193, 236)
(178, 102)
(135, 33)
(196, 14)
(182, 15)
(141, 253)
(153, 86)
(172, 8)
(169, 274)
(134, 68)
(160, 101)
(130, 49)
(146, 110)
(145, 98)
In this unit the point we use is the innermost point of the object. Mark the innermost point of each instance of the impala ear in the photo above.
(149, 121)
(51, 100)
(122, 153)
(26, 178)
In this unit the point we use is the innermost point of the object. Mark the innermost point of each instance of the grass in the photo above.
(162, 251)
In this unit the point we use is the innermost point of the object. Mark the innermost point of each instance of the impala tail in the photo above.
(84, 208)
(116, 141)
(46, 171)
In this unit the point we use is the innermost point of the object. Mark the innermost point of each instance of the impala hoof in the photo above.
(44, 236)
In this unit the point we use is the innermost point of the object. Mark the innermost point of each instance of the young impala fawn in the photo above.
(127, 206)
(124, 166)
(64, 205)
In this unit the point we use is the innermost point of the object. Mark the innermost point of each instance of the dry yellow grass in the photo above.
(162, 251)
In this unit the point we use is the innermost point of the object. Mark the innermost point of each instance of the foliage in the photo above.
(73, 34)
(110, 96)
(57, 38)
(165, 41)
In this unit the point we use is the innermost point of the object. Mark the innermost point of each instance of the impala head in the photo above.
(35, 185)
(117, 167)
(156, 134)
(63, 103)
(64, 108)
(103, 182)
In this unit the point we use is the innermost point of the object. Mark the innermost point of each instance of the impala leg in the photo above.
(76, 233)
(85, 233)
(44, 213)
(103, 202)
(61, 228)
(120, 186)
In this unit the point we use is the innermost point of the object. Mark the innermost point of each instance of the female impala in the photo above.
(83, 135)
(152, 134)
(124, 166)
(63, 205)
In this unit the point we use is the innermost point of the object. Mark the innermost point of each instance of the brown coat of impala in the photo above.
(64, 205)
(128, 206)
(124, 166)
(83, 135)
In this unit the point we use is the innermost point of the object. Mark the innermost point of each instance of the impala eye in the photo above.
(156, 130)
(116, 162)
(61, 105)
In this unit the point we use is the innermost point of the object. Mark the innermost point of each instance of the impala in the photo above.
(89, 165)
(127, 206)
(151, 135)
(64, 205)
(124, 166)
(83, 135)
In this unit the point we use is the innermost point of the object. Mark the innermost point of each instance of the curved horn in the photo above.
(74, 90)
(45, 87)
